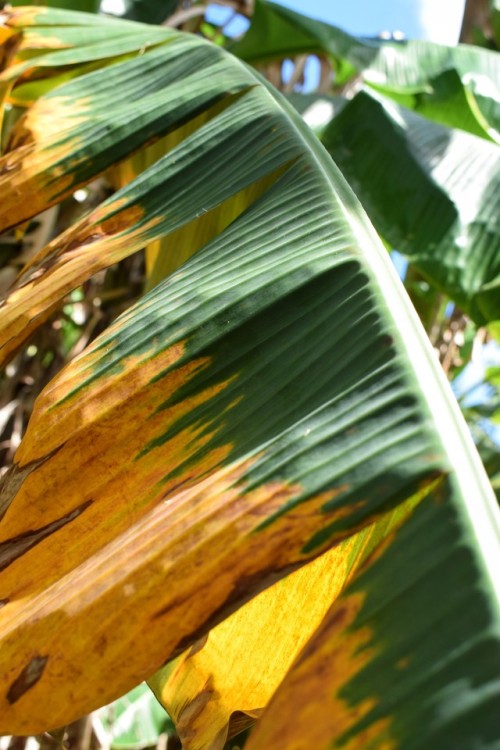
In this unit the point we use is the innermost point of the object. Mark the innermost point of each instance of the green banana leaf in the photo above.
(149, 11)
(87, 6)
(144, 11)
(134, 721)
(273, 396)
(456, 86)
(432, 192)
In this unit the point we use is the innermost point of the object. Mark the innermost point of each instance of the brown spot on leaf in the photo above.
(28, 677)
(123, 220)
(12, 481)
(3, 602)
(198, 645)
(194, 707)
(74, 244)
(12, 549)
(386, 340)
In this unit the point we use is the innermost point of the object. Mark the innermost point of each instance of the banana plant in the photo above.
(255, 488)
(456, 86)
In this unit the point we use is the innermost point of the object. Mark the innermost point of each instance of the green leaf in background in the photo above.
(149, 11)
(432, 192)
(134, 721)
(457, 86)
(277, 32)
(87, 6)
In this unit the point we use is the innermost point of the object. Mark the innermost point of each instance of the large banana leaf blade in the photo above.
(270, 398)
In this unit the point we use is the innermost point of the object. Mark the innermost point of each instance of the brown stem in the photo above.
(476, 17)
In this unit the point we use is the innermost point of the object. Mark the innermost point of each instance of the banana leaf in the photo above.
(88, 6)
(149, 11)
(456, 86)
(272, 397)
(212, 691)
(432, 192)
(385, 682)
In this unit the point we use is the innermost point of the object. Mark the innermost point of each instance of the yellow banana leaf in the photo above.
(223, 682)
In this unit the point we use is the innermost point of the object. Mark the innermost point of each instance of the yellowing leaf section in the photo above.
(24, 15)
(336, 653)
(100, 537)
(20, 43)
(240, 665)
(227, 680)
(333, 655)
(30, 178)
(75, 256)
(172, 572)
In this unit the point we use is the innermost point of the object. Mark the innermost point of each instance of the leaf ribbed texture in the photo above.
(270, 398)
